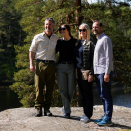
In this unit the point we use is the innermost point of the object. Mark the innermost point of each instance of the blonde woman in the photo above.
(84, 64)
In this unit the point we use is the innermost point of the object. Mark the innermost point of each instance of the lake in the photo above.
(120, 98)
(9, 99)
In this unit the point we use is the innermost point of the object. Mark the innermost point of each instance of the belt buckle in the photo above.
(46, 61)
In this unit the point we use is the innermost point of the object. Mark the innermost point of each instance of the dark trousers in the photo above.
(44, 77)
(104, 90)
(85, 88)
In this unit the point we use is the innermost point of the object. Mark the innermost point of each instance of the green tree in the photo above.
(10, 34)
(24, 80)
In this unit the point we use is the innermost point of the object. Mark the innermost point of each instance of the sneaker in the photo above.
(67, 115)
(104, 122)
(99, 120)
(63, 110)
(84, 119)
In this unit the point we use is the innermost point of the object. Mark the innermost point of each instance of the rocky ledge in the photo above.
(22, 119)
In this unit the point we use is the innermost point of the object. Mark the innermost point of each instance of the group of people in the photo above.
(79, 61)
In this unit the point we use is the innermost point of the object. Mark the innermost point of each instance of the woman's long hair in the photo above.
(88, 31)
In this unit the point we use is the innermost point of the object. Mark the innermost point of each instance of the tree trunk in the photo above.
(78, 12)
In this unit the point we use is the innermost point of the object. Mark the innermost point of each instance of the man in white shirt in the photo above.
(43, 47)
(103, 67)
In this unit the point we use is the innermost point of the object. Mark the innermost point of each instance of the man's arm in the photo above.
(31, 56)
(108, 54)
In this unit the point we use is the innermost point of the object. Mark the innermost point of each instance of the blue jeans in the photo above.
(104, 90)
(66, 84)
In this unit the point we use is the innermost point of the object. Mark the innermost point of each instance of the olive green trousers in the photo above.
(44, 84)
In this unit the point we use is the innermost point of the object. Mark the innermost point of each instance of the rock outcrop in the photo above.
(22, 119)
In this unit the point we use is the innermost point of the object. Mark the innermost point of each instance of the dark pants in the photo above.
(44, 76)
(104, 90)
(85, 88)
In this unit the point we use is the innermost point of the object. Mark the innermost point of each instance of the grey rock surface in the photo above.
(22, 119)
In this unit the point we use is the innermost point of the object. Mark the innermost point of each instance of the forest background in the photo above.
(21, 20)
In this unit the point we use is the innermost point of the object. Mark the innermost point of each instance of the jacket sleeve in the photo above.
(92, 45)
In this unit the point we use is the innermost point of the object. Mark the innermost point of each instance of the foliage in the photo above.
(24, 80)
(10, 34)
(115, 17)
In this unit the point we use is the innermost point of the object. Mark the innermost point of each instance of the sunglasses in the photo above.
(80, 30)
(62, 29)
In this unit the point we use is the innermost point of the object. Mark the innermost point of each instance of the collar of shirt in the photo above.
(45, 33)
(100, 36)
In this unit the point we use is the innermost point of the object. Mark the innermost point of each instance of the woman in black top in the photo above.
(65, 69)
(84, 63)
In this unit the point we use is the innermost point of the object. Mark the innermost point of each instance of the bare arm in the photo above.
(31, 56)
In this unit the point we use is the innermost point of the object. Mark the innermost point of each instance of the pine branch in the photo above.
(111, 7)
(88, 3)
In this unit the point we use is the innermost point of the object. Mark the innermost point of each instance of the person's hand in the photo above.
(32, 68)
(90, 78)
(106, 78)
